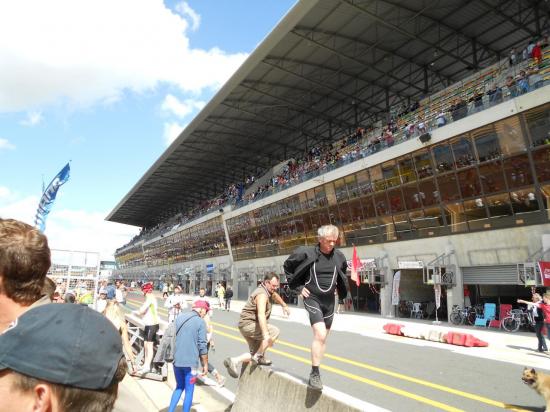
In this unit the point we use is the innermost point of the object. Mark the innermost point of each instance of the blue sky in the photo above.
(108, 85)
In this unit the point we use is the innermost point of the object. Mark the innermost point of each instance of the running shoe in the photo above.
(315, 382)
(261, 360)
(231, 367)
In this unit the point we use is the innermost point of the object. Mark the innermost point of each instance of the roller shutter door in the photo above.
(490, 275)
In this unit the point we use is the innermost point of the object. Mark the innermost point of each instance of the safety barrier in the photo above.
(434, 335)
(270, 390)
(136, 336)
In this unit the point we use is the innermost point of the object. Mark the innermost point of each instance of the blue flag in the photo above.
(48, 197)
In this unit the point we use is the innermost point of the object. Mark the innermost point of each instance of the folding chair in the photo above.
(489, 312)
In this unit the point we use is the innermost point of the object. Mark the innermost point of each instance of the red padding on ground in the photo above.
(393, 328)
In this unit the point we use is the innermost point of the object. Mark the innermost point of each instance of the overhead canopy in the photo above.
(327, 67)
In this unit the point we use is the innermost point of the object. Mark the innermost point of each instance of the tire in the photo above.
(510, 324)
(471, 317)
(455, 318)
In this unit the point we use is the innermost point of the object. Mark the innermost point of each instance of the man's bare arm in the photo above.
(278, 299)
(261, 303)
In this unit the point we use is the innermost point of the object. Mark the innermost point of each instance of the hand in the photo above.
(304, 293)
(286, 311)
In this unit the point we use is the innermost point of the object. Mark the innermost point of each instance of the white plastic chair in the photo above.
(416, 311)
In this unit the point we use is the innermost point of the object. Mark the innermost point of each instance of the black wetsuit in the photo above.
(321, 274)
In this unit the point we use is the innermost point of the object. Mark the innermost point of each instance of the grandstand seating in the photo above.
(472, 92)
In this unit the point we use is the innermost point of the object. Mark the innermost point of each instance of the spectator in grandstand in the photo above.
(149, 313)
(327, 267)
(477, 101)
(101, 302)
(175, 304)
(511, 86)
(522, 82)
(228, 297)
(33, 375)
(24, 262)
(441, 119)
(191, 346)
(495, 94)
(115, 315)
(253, 325)
(421, 125)
(536, 53)
(459, 109)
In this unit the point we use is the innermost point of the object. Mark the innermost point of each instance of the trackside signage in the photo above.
(412, 264)
(544, 268)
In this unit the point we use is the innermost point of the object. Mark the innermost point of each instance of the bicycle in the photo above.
(517, 319)
(466, 316)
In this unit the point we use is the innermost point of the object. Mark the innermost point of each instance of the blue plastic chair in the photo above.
(489, 313)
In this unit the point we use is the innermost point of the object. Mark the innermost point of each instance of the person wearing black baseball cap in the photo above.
(60, 358)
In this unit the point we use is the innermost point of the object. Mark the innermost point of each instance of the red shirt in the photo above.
(545, 311)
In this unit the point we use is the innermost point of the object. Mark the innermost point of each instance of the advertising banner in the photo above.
(544, 268)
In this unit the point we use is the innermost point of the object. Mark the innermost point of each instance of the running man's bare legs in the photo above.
(320, 334)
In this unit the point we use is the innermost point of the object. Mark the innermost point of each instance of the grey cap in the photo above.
(66, 344)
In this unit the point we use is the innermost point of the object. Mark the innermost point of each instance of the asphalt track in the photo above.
(392, 375)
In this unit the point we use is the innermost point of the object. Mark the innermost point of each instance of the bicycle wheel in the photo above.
(455, 318)
(471, 317)
(511, 324)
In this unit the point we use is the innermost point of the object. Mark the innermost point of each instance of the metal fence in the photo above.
(75, 271)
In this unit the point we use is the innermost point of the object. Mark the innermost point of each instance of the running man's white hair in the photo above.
(327, 230)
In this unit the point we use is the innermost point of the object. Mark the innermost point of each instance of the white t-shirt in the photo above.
(172, 301)
(150, 307)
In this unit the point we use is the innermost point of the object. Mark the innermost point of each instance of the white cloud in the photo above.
(186, 11)
(71, 229)
(4, 192)
(180, 108)
(171, 131)
(90, 51)
(33, 118)
(6, 145)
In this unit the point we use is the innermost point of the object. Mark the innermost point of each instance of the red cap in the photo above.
(147, 288)
(201, 304)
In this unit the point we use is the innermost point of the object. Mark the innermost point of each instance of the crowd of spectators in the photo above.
(521, 74)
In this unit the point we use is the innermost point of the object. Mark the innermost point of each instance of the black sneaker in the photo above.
(315, 382)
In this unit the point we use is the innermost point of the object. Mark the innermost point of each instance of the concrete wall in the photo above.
(266, 390)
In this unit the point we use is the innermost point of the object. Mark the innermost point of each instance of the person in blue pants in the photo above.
(190, 347)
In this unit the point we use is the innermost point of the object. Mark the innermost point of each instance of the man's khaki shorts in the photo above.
(253, 335)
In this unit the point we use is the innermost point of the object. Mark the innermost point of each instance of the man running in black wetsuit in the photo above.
(317, 271)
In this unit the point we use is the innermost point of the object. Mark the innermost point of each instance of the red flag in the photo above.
(355, 266)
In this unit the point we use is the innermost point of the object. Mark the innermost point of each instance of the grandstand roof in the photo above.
(327, 67)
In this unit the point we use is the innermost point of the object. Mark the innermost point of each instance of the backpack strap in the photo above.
(186, 320)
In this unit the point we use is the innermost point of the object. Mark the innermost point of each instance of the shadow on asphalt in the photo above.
(525, 408)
